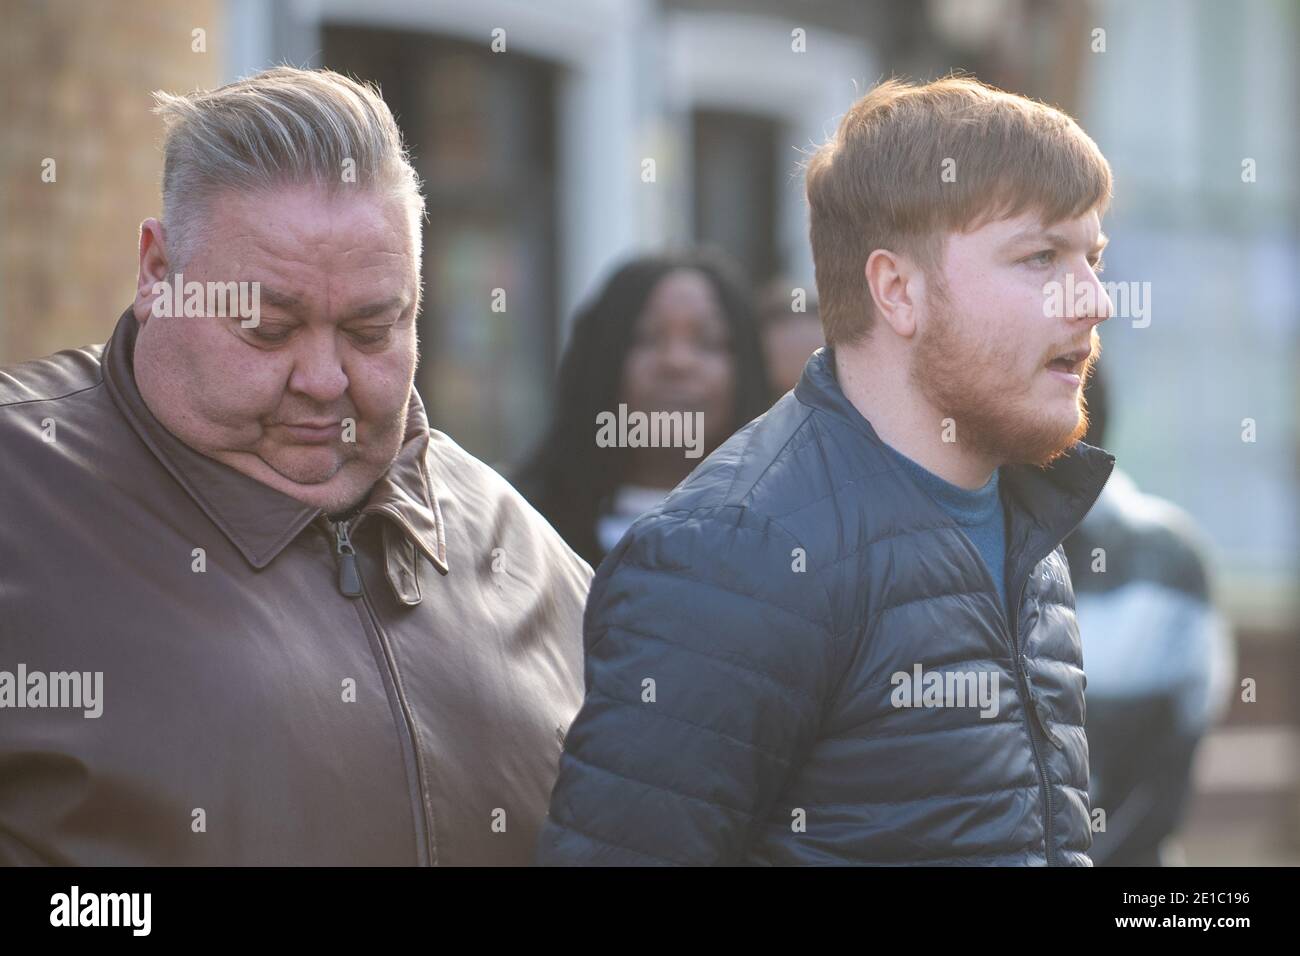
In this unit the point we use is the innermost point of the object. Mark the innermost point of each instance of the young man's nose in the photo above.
(1095, 308)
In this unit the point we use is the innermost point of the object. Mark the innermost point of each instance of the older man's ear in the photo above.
(153, 268)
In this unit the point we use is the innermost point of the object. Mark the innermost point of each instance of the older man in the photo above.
(252, 609)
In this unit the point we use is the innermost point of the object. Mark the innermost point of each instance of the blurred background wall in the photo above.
(556, 137)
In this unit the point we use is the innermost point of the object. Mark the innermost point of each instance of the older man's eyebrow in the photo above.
(372, 309)
(293, 303)
(280, 300)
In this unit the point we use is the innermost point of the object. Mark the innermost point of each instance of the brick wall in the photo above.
(75, 80)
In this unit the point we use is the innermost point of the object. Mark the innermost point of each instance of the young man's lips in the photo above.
(1070, 366)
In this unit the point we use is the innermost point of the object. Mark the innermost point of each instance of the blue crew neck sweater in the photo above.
(980, 514)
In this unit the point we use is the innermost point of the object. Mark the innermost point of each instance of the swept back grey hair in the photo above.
(280, 127)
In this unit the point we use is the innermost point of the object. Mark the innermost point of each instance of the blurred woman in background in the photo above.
(666, 333)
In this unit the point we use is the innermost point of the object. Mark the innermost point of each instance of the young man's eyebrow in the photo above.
(1055, 240)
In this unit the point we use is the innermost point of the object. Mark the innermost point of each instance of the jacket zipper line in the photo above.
(351, 585)
(1020, 669)
(1021, 663)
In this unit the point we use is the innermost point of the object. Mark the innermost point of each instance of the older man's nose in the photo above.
(318, 373)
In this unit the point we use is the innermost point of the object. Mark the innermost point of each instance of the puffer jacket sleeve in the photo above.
(708, 656)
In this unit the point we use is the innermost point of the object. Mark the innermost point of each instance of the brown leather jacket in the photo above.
(252, 712)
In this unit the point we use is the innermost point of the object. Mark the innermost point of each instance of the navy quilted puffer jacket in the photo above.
(742, 646)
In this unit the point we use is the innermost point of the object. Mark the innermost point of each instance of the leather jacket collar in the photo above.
(261, 521)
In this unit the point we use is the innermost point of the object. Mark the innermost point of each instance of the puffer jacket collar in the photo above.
(1054, 499)
(261, 521)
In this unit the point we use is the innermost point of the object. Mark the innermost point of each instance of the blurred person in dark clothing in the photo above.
(792, 331)
(666, 333)
(1157, 655)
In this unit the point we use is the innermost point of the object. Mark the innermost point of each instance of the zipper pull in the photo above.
(1039, 708)
(349, 576)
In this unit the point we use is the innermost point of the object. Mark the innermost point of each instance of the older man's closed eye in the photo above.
(320, 632)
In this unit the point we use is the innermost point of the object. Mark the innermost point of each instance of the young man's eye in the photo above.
(1044, 258)
(1099, 266)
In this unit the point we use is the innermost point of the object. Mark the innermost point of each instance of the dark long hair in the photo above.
(568, 476)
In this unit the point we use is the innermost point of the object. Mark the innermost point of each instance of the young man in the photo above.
(849, 636)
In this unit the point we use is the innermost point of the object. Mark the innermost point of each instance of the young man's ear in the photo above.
(896, 285)
(153, 268)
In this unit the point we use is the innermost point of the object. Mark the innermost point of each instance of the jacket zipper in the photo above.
(1021, 665)
(349, 576)
(351, 586)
